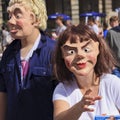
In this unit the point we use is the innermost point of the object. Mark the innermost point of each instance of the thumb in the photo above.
(88, 92)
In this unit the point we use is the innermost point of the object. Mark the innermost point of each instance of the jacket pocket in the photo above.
(41, 77)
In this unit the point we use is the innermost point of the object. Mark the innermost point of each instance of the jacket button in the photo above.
(44, 73)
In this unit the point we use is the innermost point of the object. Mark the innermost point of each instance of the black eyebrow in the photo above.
(87, 43)
(66, 47)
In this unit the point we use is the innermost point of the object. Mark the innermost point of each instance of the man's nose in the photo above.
(12, 21)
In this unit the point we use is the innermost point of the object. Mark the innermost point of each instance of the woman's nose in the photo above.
(80, 54)
(79, 57)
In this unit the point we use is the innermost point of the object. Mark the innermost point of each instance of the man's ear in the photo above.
(34, 20)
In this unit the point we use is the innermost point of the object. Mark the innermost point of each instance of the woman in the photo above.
(83, 65)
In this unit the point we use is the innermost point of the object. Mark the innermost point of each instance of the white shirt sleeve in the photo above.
(96, 29)
(60, 93)
(116, 91)
(112, 88)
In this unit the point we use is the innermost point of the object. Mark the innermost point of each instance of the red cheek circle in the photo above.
(20, 23)
(92, 58)
(67, 63)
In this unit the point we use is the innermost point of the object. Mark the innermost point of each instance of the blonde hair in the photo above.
(38, 7)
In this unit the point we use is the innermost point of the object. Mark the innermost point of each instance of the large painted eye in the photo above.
(18, 16)
(86, 49)
(70, 52)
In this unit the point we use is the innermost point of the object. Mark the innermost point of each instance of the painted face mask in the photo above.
(80, 57)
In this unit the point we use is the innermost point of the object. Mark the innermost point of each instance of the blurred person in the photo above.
(92, 24)
(60, 27)
(83, 64)
(98, 22)
(5, 34)
(113, 40)
(105, 29)
(68, 23)
(26, 82)
(100, 30)
(114, 21)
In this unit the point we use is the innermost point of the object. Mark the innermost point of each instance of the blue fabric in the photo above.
(33, 99)
(105, 33)
(116, 72)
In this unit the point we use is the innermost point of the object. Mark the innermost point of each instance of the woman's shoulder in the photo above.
(109, 76)
(110, 79)
(67, 86)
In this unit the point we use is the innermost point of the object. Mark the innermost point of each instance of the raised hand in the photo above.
(111, 118)
(88, 100)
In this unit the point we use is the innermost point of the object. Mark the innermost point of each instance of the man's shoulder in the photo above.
(50, 41)
(115, 29)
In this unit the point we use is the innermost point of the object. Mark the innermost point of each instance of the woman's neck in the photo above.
(88, 81)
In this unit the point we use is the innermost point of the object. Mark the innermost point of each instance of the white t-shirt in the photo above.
(95, 28)
(5, 33)
(60, 29)
(109, 89)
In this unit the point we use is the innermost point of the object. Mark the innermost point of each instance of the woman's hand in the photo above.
(88, 100)
(111, 118)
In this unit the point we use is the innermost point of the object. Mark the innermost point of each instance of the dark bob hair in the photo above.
(105, 60)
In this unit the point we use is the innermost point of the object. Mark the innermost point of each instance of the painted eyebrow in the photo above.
(66, 47)
(69, 47)
(17, 10)
(86, 44)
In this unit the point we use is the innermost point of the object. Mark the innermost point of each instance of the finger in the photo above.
(88, 108)
(89, 102)
(88, 92)
(111, 118)
(97, 98)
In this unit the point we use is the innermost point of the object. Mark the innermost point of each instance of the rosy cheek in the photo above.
(20, 23)
(68, 63)
(92, 58)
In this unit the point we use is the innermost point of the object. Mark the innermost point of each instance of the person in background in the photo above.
(114, 21)
(68, 23)
(100, 26)
(60, 27)
(92, 24)
(105, 29)
(26, 77)
(5, 33)
(113, 40)
(83, 64)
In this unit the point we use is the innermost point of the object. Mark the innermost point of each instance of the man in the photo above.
(60, 27)
(114, 21)
(93, 25)
(113, 40)
(26, 84)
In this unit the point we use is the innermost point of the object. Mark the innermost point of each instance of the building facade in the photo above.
(73, 8)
